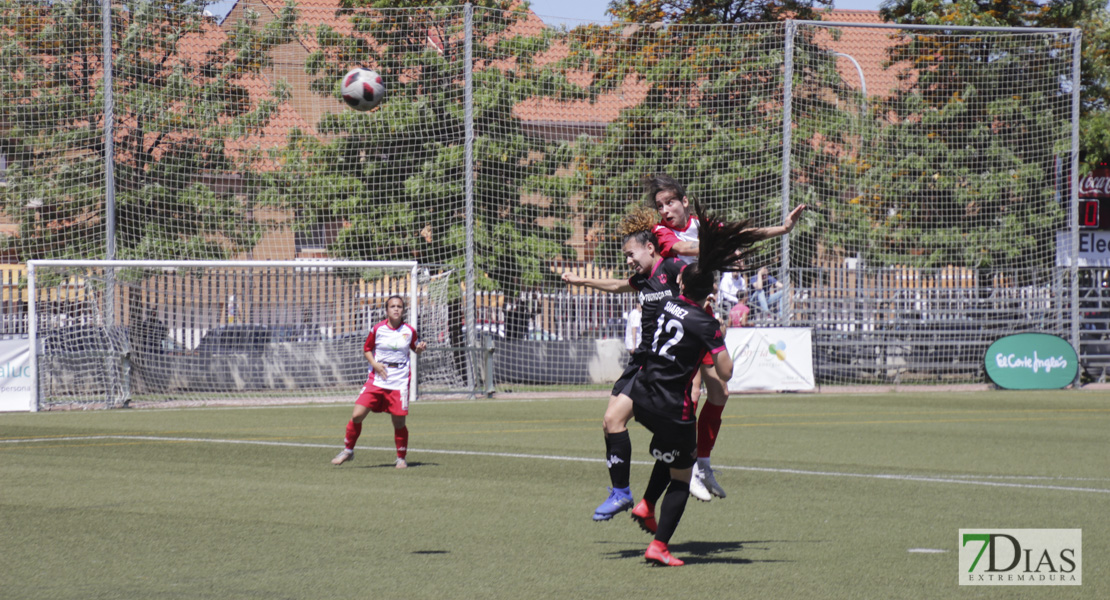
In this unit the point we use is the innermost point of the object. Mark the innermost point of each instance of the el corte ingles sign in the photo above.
(1031, 361)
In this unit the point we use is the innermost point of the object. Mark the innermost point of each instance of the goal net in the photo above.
(119, 333)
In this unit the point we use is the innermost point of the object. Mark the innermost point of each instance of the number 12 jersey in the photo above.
(683, 334)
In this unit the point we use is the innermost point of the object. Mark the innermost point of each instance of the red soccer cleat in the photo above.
(657, 552)
(644, 515)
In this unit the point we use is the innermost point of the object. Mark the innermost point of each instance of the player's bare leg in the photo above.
(617, 414)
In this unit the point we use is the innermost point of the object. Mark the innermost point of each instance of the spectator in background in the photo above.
(152, 332)
(766, 290)
(731, 286)
(632, 328)
(738, 314)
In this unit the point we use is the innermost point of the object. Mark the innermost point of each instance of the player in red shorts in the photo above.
(387, 388)
(678, 232)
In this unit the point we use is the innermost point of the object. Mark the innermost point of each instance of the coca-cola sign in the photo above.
(1095, 185)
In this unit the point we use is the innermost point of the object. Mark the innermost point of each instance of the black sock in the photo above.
(618, 455)
(674, 504)
(660, 479)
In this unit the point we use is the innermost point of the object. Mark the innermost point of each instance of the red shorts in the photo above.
(394, 402)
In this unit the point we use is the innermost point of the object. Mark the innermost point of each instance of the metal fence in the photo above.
(506, 150)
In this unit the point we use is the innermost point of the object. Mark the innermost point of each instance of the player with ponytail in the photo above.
(678, 232)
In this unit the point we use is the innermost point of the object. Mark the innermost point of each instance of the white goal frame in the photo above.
(32, 324)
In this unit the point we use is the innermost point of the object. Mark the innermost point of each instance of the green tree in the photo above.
(712, 115)
(714, 12)
(1091, 17)
(395, 177)
(175, 109)
(964, 169)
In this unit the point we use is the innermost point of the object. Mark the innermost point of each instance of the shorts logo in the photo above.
(667, 457)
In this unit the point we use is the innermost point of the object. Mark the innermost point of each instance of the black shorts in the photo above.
(622, 384)
(674, 442)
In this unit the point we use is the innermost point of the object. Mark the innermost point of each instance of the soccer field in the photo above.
(830, 496)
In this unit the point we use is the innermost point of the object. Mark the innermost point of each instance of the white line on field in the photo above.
(955, 479)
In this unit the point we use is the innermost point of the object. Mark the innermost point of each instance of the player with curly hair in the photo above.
(655, 279)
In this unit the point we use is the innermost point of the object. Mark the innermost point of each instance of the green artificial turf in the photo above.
(830, 496)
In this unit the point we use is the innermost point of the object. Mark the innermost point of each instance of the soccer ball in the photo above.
(363, 89)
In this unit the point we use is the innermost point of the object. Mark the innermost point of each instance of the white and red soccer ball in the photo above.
(363, 89)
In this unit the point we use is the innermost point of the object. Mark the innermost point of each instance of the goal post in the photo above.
(114, 333)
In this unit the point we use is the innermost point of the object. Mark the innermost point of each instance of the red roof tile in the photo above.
(867, 45)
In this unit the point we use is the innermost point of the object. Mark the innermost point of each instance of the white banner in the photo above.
(775, 359)
(15, 375)
(1094, 248)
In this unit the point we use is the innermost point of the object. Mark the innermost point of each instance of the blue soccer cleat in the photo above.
(620, 499)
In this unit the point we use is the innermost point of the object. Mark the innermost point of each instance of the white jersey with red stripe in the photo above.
(391, 348)
(669, 236)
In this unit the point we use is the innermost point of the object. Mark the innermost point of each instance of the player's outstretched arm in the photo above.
(685, 248)
(787, 226)
(613, 286)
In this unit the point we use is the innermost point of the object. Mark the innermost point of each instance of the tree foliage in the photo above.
(963, 164)
(712, 116)
(395, 177)
(175, 113)
(714, 12)
(1091, 17)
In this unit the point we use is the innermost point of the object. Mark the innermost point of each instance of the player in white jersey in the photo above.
(387, 349)
(678, 232)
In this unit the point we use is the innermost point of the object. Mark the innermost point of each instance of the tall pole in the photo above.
(109, 132)
(787, 123)
(32, 333)
(1073, 195)
(468, 99)
(414, 320)
(109, 165)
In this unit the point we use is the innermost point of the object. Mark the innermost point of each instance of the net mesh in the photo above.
(113, 335)
(937, 195)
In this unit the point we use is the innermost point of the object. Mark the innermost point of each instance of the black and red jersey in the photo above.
(682, 334)
(655, 288)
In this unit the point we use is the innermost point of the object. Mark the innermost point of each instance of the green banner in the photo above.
(1031, 361)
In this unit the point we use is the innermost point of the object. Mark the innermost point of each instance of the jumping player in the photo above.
(678, 233)
(656, 280)
(686, 331)
(387, 349)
